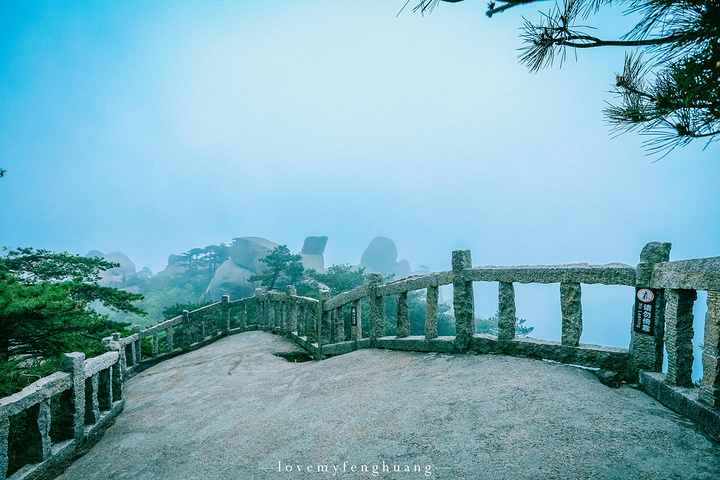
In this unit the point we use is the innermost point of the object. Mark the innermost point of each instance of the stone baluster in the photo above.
(135, 346)
(291, 310)
(169, 336)
(202, 321)
(506, 311)
(678, 336)
(270, 314)
(258, 307)
(431, 307)
(186, 334)
(74, 363)
(118, 370)
(403, 316)
(325, 333)
(43, 423)
(356, 330)
(311, 324)
(302, 313)
(243, 316)
(156, 344)
(340, 328)
(463, 299)
(92, 408)
(647, 350)
(571, 306)
(225, 314)
(377, 308)
(710, 389)
(4, 446)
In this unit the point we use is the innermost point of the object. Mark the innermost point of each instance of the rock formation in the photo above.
(381, 255)
(114, 276)
(312, 253)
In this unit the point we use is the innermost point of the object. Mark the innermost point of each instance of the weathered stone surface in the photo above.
(610, 274)
(699, 274)
(416, 282)
(92, 409)
(482, 417)
(506, 311)
(101, 362)
(4, 436)
(403, 316)
(325, 320)
(431, 331)
(463, 299)
(710, 389)
(347, 297)
(43, 423)
(377, 307)
(609, 378)
(571, 306)
(34, 393)
(678, 335)
(74, 363)
(381, 255)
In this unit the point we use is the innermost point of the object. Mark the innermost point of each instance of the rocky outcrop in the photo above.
(117, 275)
(312, 253)
(381, 255)
(232, 277)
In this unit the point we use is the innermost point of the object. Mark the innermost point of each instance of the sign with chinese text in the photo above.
(353, 316)
(646, 301)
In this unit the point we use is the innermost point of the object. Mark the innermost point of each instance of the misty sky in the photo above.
(152, 127)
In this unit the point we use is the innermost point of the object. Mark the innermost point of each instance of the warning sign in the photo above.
(646, 301)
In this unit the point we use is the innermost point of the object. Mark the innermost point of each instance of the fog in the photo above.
(155, 127)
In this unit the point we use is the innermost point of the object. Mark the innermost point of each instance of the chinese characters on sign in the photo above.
(353, 316)
(646, 300)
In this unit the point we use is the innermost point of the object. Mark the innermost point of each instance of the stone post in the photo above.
(4, 446)
(311, 325)
(341, 325)
(647, 350)
(243, 316)
(679, 335)
(92, 407)
(571, 306)
(74, 363)
(137, 345)
(377, 308)
(403, 316)
(356, 330)
(506, 311)
(291, 310)
(269, 313)
(118, 370)
(431, 306)
(259, 313)
(325, 333)
(43, 422)
(186, 335)
(463, 299)
(710, 389)
(170, 341)
(300, 320)
(225, 314)
(156, 344)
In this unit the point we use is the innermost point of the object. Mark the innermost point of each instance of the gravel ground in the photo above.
(232, 410)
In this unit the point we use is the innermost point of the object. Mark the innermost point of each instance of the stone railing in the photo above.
(678, 283)
(89, 393)
(334, 339)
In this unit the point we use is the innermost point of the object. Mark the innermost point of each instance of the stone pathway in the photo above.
(232, 410)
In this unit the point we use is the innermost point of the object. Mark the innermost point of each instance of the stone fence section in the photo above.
(88, 392)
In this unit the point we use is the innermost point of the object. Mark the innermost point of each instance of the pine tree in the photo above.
(669, 87)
